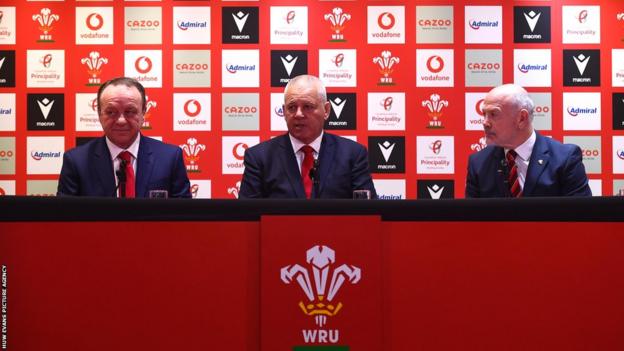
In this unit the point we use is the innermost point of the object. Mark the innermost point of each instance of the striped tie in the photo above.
(513, 180)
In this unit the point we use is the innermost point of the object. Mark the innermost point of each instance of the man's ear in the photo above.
(523, 118)
(327, 107)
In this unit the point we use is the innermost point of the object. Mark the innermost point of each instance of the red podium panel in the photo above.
(320, 283)
(131, 285)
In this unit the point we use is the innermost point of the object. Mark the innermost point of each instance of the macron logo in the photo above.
(240, 18)
(289, 63)
(386, 149)
(337, 105)
(2, 62)
(581, 62)
(435, 191)
(45, 106)
(532, 19)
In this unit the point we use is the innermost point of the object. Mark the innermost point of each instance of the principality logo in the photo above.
(386, 21)
(337, 18)
(582, 16)
(338, 60)
(436, 147)
(46, 19)
(386, 64)
(94, 21)
(321, 299)
(435, 106)
(387, 103)
(290, 17)
(94, 65)
(191, 154)
(46, 60)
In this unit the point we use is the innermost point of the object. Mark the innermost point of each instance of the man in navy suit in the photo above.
(519, 161)
(306, 162)
(96, 168)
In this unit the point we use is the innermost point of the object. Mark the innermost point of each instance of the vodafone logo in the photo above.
(143, 64)
(46, 60)
(387, 103)
(479, 108)
(94, 21)
(192, 108)
(338, 60)
(386, 21)
(239, 151)
(436, 147)
(290, 17)
(582, 16)
(435, 64)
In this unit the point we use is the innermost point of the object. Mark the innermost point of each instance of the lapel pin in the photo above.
(541, 162)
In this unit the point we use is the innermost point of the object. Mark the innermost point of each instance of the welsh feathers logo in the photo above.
(320, 299)
(337, 19)
(386, 63)
(191, 154)
(46, 19)
(94, 65)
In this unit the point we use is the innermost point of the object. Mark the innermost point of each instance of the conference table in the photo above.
(175, 274)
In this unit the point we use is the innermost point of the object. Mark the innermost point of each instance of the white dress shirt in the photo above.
(296, 144)
(524, 151)
(115, 150)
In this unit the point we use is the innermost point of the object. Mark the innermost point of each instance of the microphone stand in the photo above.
(314, 176)
(121, 179)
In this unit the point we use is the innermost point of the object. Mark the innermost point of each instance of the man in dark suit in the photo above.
(306, 162)
(123, 162)
(519, 161)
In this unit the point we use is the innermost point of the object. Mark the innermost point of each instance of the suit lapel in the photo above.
(537, 164)
(145, 165)
(104, 167)
(289, 164)
(326, 160)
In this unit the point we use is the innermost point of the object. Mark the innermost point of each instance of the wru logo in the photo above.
(321, 302)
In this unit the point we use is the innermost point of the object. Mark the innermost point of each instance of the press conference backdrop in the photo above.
(406, 78)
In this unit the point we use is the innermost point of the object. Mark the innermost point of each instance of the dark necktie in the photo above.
(126, 157)
(514, 181)
(306, 166)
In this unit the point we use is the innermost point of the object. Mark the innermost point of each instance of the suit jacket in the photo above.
(555, 169)
(88, 170)
(271, 170)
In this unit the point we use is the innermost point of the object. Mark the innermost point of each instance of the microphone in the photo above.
(314, 176)
(505, 170)
(121, 178)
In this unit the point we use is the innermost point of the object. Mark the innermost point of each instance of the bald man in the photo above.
(518, 161)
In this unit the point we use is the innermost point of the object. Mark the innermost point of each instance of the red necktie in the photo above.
(306, 166)
(127, 158)
(514, 181)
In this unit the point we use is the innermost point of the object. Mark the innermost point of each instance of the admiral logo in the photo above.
(45, 111)
(338, 19)
(39, 155)
(575, 111)
(7, 112)
(240, 25)
(46, 20)
(620, 154)
(232, 68)
(526, 68)
(7, 68)
(343, 111)
(192, 149)
(581, 67)
(435, 189)
(387, 154)
(185, 25)
(476, 25)
(287, 64)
